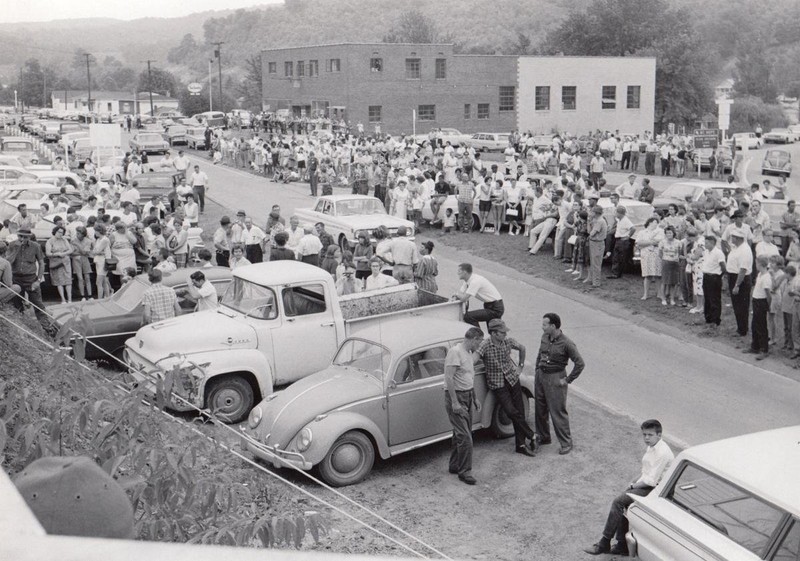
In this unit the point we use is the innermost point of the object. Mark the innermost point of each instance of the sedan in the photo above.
(196, 137)
(748, 139)
(777, 162)
(382, 395)
(489, 141)
(115, 319)
(779, 136)
(149, 142)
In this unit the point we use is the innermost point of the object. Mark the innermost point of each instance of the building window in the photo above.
(376, 65)
(412, 68)
(542, 101)
(288, 69)
(507, 98)
(426, 113)
(441, 68)
(374, 113)
(569, 98)
(333, 65)
(301, 68)
(609, 100)
(467, 111)
(483, 111)
(634, 97)
(272, 68)
(313, 68)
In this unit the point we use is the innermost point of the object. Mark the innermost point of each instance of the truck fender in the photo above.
(326, 430)
(249, 361)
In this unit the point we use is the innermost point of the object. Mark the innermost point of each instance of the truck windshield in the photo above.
(250, 299)
(364, 355)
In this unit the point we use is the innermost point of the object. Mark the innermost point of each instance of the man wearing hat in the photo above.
(598, 232)
(27, 270)
(739, 266)
(502, 378)
(737, 224)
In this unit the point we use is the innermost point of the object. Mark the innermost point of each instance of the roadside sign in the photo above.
(105, 135)
(195, 88)
(706, 138)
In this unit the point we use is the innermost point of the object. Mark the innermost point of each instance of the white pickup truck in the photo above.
(277, 322)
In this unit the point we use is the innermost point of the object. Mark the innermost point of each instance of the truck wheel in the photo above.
(501, 424)
(230, 398)
(348, 461)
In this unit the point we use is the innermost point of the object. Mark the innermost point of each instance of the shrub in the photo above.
(747, 112)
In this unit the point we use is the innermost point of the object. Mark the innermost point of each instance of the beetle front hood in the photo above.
(194, 333)
(318, 394)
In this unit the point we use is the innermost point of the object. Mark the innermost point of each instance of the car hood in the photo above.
(660, 202)
(320, 393)
(104, 316)
(212, 330)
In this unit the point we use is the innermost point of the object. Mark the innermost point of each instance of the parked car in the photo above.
(777, 162)
(778, 136)
(211, 118)
(19, 162)
(259, 337)
(158, 183)
(489, 141)
(454, 136)
(748, 139)
(382, 395)
(9, 175)
(346, 216)
(16, 146)
(703, 156)
(112, 168)
(80, 150)
(196, 137)
(175, 134)
(56, 177)
(115, 319)
(795, 130)
(719, 502)
(31, 195)
(677, 192)
(543, 141)
(149, 142)
(51, 131)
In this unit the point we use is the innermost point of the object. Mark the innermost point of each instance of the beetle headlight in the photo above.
(255, 417)
(304, 439)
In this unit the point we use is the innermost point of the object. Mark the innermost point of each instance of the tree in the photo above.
(163, 82)
(250, 88)
(522, 46)
(34, 80)
(749, 111)
(753, 75)
(415, 27)
(187, 48)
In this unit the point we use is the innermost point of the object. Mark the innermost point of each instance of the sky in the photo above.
(16, 11)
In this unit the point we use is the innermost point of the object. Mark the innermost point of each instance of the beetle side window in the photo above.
(789, 549)
(424, 364)
(744, 518)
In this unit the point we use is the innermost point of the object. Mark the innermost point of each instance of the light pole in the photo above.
(218, 54)
(210, 100)
(150, 85)
(88, 82)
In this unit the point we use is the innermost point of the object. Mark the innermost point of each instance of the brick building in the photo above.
(400, 87)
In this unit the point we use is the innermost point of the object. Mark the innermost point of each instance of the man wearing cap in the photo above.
(478, 286)
(555, 352)
(739, 267)
(459, 395)
(598, 231)
(737, 224)
(27, 271)
(630, 189)
(8, 290)
(222, 241)
(502, 378)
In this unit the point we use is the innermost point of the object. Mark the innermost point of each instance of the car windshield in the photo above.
(778, 156)
(17, 146)
(130, 294)
(353, 207)
(251, 299)
(680, 190)
(364, 355)
(150, 138)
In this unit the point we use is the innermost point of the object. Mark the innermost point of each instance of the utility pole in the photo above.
(88, 82)
(150, 85)
(210, 100)
(218, 54)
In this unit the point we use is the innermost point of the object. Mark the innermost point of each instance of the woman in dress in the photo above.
(58, 249)
(122, 242)
(400, 199)
(102, 251)
(83, 245)
(669, 249)
(513, 199)
(648, 242)
(498, 205)
(427, 269)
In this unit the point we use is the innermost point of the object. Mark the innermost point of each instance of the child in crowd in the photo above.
(164, 262)
(775, 269)
(417, 202)
(449, 222)
(579, 252)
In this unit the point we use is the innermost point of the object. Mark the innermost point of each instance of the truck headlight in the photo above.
(255, 417)
(304, 439)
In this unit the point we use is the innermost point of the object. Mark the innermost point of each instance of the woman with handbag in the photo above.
(58, 249)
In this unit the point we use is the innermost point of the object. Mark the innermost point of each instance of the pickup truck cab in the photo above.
(277, 322)
(736, 499)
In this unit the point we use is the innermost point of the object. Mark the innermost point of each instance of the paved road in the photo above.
(700, 395)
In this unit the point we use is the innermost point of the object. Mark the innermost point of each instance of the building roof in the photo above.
(105, 94)
(353, 44)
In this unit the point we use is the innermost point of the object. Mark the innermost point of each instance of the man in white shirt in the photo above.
(479, 287)
(739, 267)
(766, 246)
(202, 291)
(181, 163)
(405, 256)
(657, 458)
(622, 242)
(597, 167)
(254, 240)
(713, 267)
(130, 194)
(309, 247)
(760, 219)
(377, 279)
(737, 224)
(295, 232)
(630, 189)
(200, 185)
